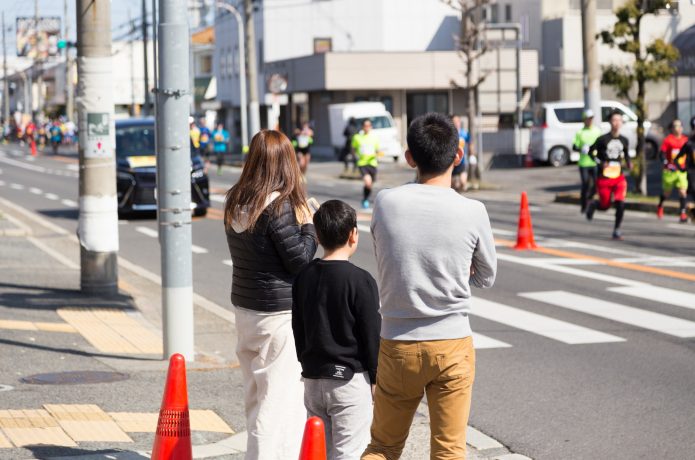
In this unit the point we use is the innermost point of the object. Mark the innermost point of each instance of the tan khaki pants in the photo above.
(442, 369)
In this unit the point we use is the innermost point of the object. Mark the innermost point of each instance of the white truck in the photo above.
(382, 125)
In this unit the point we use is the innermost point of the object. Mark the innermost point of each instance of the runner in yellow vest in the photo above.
(365, 147)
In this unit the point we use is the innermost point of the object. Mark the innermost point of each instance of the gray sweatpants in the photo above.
(346, 410)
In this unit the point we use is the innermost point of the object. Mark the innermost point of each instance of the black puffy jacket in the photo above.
(266, 260)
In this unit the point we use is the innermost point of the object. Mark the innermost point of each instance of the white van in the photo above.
(382, 125)
(557, 123)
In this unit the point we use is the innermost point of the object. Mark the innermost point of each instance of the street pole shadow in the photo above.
(65, 453)
(33, 297)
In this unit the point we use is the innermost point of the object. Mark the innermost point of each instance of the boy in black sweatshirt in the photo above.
(336, 324)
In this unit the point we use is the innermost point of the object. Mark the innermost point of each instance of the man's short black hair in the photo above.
(615, 112)
(433, 142)
(334, 221)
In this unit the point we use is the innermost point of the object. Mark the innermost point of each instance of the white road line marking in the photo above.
(659, 261)
(539, 324)
(147, 231)
(36, 191)
(228, 262)
(570, 271)
(198, 250)
(55, 254)
(499, 231)
(73, 167)
(364, 228)
(616, 312)
(603, 217)
(658, 294)
(2, 183)
(16, 186)
(21, 164)
(69, 203)
(51, 196)
(689, 228)
(217, 198)
(481, 341)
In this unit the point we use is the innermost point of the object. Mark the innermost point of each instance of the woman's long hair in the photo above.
(270, 167)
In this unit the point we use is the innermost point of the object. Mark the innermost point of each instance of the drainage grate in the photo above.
(75, 378)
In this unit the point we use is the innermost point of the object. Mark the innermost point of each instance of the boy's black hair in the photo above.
(334, 221)
(433, 142)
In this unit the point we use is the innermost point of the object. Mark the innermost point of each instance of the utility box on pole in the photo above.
(98, 219)
(174, 177)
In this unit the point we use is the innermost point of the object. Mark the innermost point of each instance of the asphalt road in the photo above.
(585, 347)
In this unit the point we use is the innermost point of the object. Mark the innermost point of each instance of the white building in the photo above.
(399, 52)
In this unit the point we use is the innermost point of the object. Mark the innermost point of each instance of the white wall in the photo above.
(128, 72)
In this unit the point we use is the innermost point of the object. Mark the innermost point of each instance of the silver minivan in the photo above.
(556, 124)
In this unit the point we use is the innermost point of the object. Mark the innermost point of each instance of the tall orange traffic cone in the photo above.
(524, 237)
(314, 440)
(173, 438)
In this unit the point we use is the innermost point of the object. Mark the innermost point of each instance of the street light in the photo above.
(242, 71)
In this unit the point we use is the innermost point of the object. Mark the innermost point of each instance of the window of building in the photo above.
(508, 12)
(323, 45)
(492, 14)
(205, 64)
(420, 103)
(600, 4)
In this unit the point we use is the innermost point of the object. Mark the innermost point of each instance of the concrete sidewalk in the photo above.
(87, 373)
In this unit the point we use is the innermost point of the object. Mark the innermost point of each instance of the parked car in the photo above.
(136, 161)
(382, 125)
(557, 123)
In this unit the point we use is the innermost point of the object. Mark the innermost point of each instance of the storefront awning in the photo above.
(685, 42)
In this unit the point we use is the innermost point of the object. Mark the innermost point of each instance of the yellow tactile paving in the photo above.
(4, 442)
(207, 420)
(136, 422)
(111, 330)
(33, 427)
(144, 422)
(87, 422)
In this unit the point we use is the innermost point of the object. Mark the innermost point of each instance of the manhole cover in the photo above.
(75, 377)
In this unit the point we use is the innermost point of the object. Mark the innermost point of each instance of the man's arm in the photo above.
(484, 263)
(626, 153)
(575, 145)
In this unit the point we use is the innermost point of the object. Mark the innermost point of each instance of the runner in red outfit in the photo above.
(611, 150)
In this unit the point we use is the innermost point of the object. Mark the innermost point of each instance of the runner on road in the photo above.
(302, 145)
(459, 178)
(610, 151)
(687, 154)
(674, 174)
(220, 141)
(365, 146)
(583, 141)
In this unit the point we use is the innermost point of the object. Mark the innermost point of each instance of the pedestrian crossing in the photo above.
(565, 332)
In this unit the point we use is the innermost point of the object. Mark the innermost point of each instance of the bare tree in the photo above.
(471, 46)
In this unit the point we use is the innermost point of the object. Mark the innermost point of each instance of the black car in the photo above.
(136, 170)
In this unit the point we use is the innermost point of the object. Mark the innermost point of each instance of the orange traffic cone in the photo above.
(524, 238)
(314, 440)
(173, 438)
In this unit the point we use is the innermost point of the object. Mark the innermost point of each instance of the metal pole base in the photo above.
(99, 272)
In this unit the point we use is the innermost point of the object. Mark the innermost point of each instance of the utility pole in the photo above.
(98, 220)
(5, 82)
(174, 178)
(242, 71)
(69, 90)
(252, 69)
(146, 103)
(39, 81)
(591, 73)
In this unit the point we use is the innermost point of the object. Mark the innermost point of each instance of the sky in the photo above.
(15, 8)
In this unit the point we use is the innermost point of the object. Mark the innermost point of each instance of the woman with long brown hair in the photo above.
(270, 239)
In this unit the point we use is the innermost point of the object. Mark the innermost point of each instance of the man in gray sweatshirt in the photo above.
(432, 245)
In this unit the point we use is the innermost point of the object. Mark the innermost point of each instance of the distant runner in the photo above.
(302, 146)
(583, 141)
(459, 177)
(365, 146)
(611, 151)
(674, 174)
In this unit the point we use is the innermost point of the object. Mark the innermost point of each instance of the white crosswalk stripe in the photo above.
(481, 341)
(198, 250)
(658, 294)
(616, 312)
(147, 231)
(217, 198)
(539, 324)
(228, 262)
